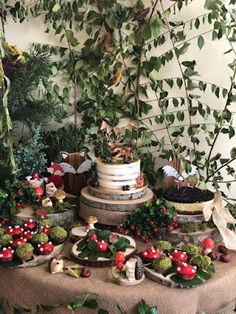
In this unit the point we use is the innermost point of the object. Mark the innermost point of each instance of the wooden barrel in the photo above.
(109, 212)
(111, 194)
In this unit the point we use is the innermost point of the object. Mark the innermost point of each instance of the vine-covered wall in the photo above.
(166, 68)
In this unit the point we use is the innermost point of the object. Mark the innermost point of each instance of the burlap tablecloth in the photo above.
(26, 287)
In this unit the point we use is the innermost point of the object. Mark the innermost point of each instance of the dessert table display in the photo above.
(27, 287)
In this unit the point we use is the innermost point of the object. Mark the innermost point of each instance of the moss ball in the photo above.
(162, 263)
(201, 261)
(46, 222)
(38, 238)
(58, 234)
(164, 245)
(5, 239)
(191, 249)
(2, 231)
(24, 251)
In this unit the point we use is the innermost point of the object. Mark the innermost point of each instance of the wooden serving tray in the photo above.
(102, 261)
(171, 280)
(35, 261)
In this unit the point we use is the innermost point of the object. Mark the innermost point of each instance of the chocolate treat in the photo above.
(222, 249)
(225, 258)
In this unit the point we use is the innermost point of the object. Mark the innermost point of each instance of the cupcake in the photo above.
(29, 225)
(166, 246)
(178, 257)
(58, 234)
(24, 251)
(186, 271)
(46, 222)
(201, 261)
(161, 264)
(191, 249)
(149, 254)
(15, 243)
(6, 255)
(45, 248)
(5, 240)
(39, 238)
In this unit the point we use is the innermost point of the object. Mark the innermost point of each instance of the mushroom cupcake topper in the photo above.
(91, 220)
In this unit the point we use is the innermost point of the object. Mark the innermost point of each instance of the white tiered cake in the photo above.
(116, 176)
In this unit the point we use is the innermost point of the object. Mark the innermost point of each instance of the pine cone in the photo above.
(139, 269)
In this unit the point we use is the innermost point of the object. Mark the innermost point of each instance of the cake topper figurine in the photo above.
(177, 171)
(115, 136)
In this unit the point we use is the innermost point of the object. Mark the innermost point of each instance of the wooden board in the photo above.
(176, 236)
(124, 281)
(113, 205)
(169, 281)
(102, 261)
(37, 259)
(113, 194)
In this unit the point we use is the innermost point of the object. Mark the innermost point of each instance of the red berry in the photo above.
(23, 206)
(151, 222)
(143, 239)
(137, 233)
(17, 204)
(132, 227)
(146, 240)
(170, 228)
(155, 230)
(164, 210)
(93, 237)
(13, 197)
(22, 183)
(125, 232)
(19, 192)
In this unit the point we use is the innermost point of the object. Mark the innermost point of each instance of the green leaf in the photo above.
(182, 50)
(200, 42)
(144, 308)
(233, 153)
(54, 70)
(71, 39)
(56, 7)
(189, 64)
(102, 311)
(91, 303)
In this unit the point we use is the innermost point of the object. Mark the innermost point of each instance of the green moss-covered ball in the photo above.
(191, 249)
(24, 251)
(2, 231)
(201, 261)
(58, 234)
(5, 239)
(164, 245)
(162, 264)
(39, 238)
(46, 222)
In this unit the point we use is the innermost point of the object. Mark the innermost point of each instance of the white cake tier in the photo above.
(116, 176)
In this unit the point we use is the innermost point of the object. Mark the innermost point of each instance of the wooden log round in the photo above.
(186, 208)
(111, 194)
(105, 217)
(190, 218)
(64, 218)
(113, 205)
(176, 236)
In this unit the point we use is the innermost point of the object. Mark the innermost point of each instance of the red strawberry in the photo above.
(102, 246)
(93, 237)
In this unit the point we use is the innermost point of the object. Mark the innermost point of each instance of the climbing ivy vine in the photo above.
(112, 57)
